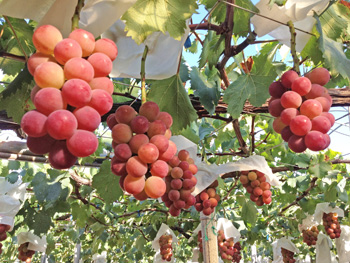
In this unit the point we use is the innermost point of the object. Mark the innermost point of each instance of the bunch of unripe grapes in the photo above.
(72, 92)
(331, 225)
(256, 185)
(180, 183)
(229, 250)
(25, 254)
(287, 256)
(310, 236)
(166, 247)
(301, 105)
(208, 199)
(141, 149)
(3, 229)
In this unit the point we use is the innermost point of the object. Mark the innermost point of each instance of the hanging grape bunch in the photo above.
(200, 241)
(208, 199)
(331, 225)
(3, 235)
(229, 251)
(288, 256)
(256, 185)
(166, 247)
(72, 92)
(301, 105)
(25, 254)
(310, 236)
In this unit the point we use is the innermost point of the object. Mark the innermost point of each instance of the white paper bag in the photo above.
(326, 208)
(307, 223)
(343, 245)
(229, 229)
(100, 258)
(163, 230)
(282, 243)
(35, 243)
(323, 245)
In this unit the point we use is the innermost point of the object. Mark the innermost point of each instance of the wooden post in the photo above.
(77, 253)
(210, 240)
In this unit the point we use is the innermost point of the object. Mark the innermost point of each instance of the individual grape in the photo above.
(155, 187)
(141, 196)
(300, 125)
(175, 161)
(288, 114)
(297, 144)
(150, 110)
(40, 145)
(287, 256)
(275, 107)
(76, 92)
(193, 168)
(88, 118)
(48, 100)
(291, 99)
(85, 39)
(136, 167)
(174, 211)
(61, 124)
(184, 165)
(137, 141)
(166, 118)
(207, 211)
(276, 89)
(60, 157)
(122, 152)
(321, 124)
(174, 195)
(134, 184)
(82, 143)
(111, 121)
(101, 63)
(161, 142)
(244, 179)
(286, 133)
(121, 133)
(176, 173)
(34, 91)
(45, 39)
(67, 49)
(102, 83)
(155, 128)
(148, 153)
(36, 59)
(311, 108)
(118, 168)
(327, 139)
(49, 74)
(78, 68)
(101, 101)
(33, 123)
(169, 153)
(287, 79)
(315, 141)
(301, 85)
(168, 134)
(180, 204)
(278, 125)
(139, 124)
(326, 104)
(106, 46)
(125, 114)
(316, 91)
(319, 76)
(159, 168)
(176, 184)
(330, 117)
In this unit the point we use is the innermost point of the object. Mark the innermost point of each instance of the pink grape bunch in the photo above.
(301, 106)
(180, 183)
(166, 247)
(310, 235)
(141, 149)
(71, 94)
(228, 249)
(288, 256)
(3, 229)
(208, 199)
(256, 185)
(331, 225)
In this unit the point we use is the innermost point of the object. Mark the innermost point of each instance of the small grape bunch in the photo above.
(25, 254)
(180, 183)
(200, 241)
(310, 236)
(229, 251)
(331, 225)
(208, 199)
(256, 185)
(3, 235)
(287, 256)
(166, 248)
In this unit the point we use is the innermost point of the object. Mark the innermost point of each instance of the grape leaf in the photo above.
(146, 17)
(330, 194)
(106, 183)
(219, 13)
(249, 212)
(208, 91)
(312, 49)
(319, 167)
(79, 214)
(241, 18)
(172, 97)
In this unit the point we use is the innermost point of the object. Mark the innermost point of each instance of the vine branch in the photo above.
(292, 47)
(143, 75)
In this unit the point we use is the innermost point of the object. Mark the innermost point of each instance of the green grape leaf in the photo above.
(319, 167)
(219, 13)
(205, 50)
(249, 212)
(146, 17)
(330, 194)
(172, 97)
(241, 18)
(341, 189)
(106, 183)
(208, 91)
(41, 223)
(184, 71)
(79, 214)
(312, 49)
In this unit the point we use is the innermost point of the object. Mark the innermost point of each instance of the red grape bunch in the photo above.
(310, 236)
(180, 183)
(208, 199)
(3, 235)
(331, 225)
(25, 254)
(287, 256)
(229, 251)
(256, 185)
(72, 92)
(200, 241)
(301, 105)
(141, 149)
(166, 247)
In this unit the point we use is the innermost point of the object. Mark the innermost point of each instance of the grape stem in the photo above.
(76, 16)
(292, 47)
(143, 75)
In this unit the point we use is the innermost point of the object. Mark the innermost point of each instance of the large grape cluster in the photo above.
(25, 254)
(208, 199)
(301, 105)
(331, 225)
(72, 92)
(166, 247)
(3, 235)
